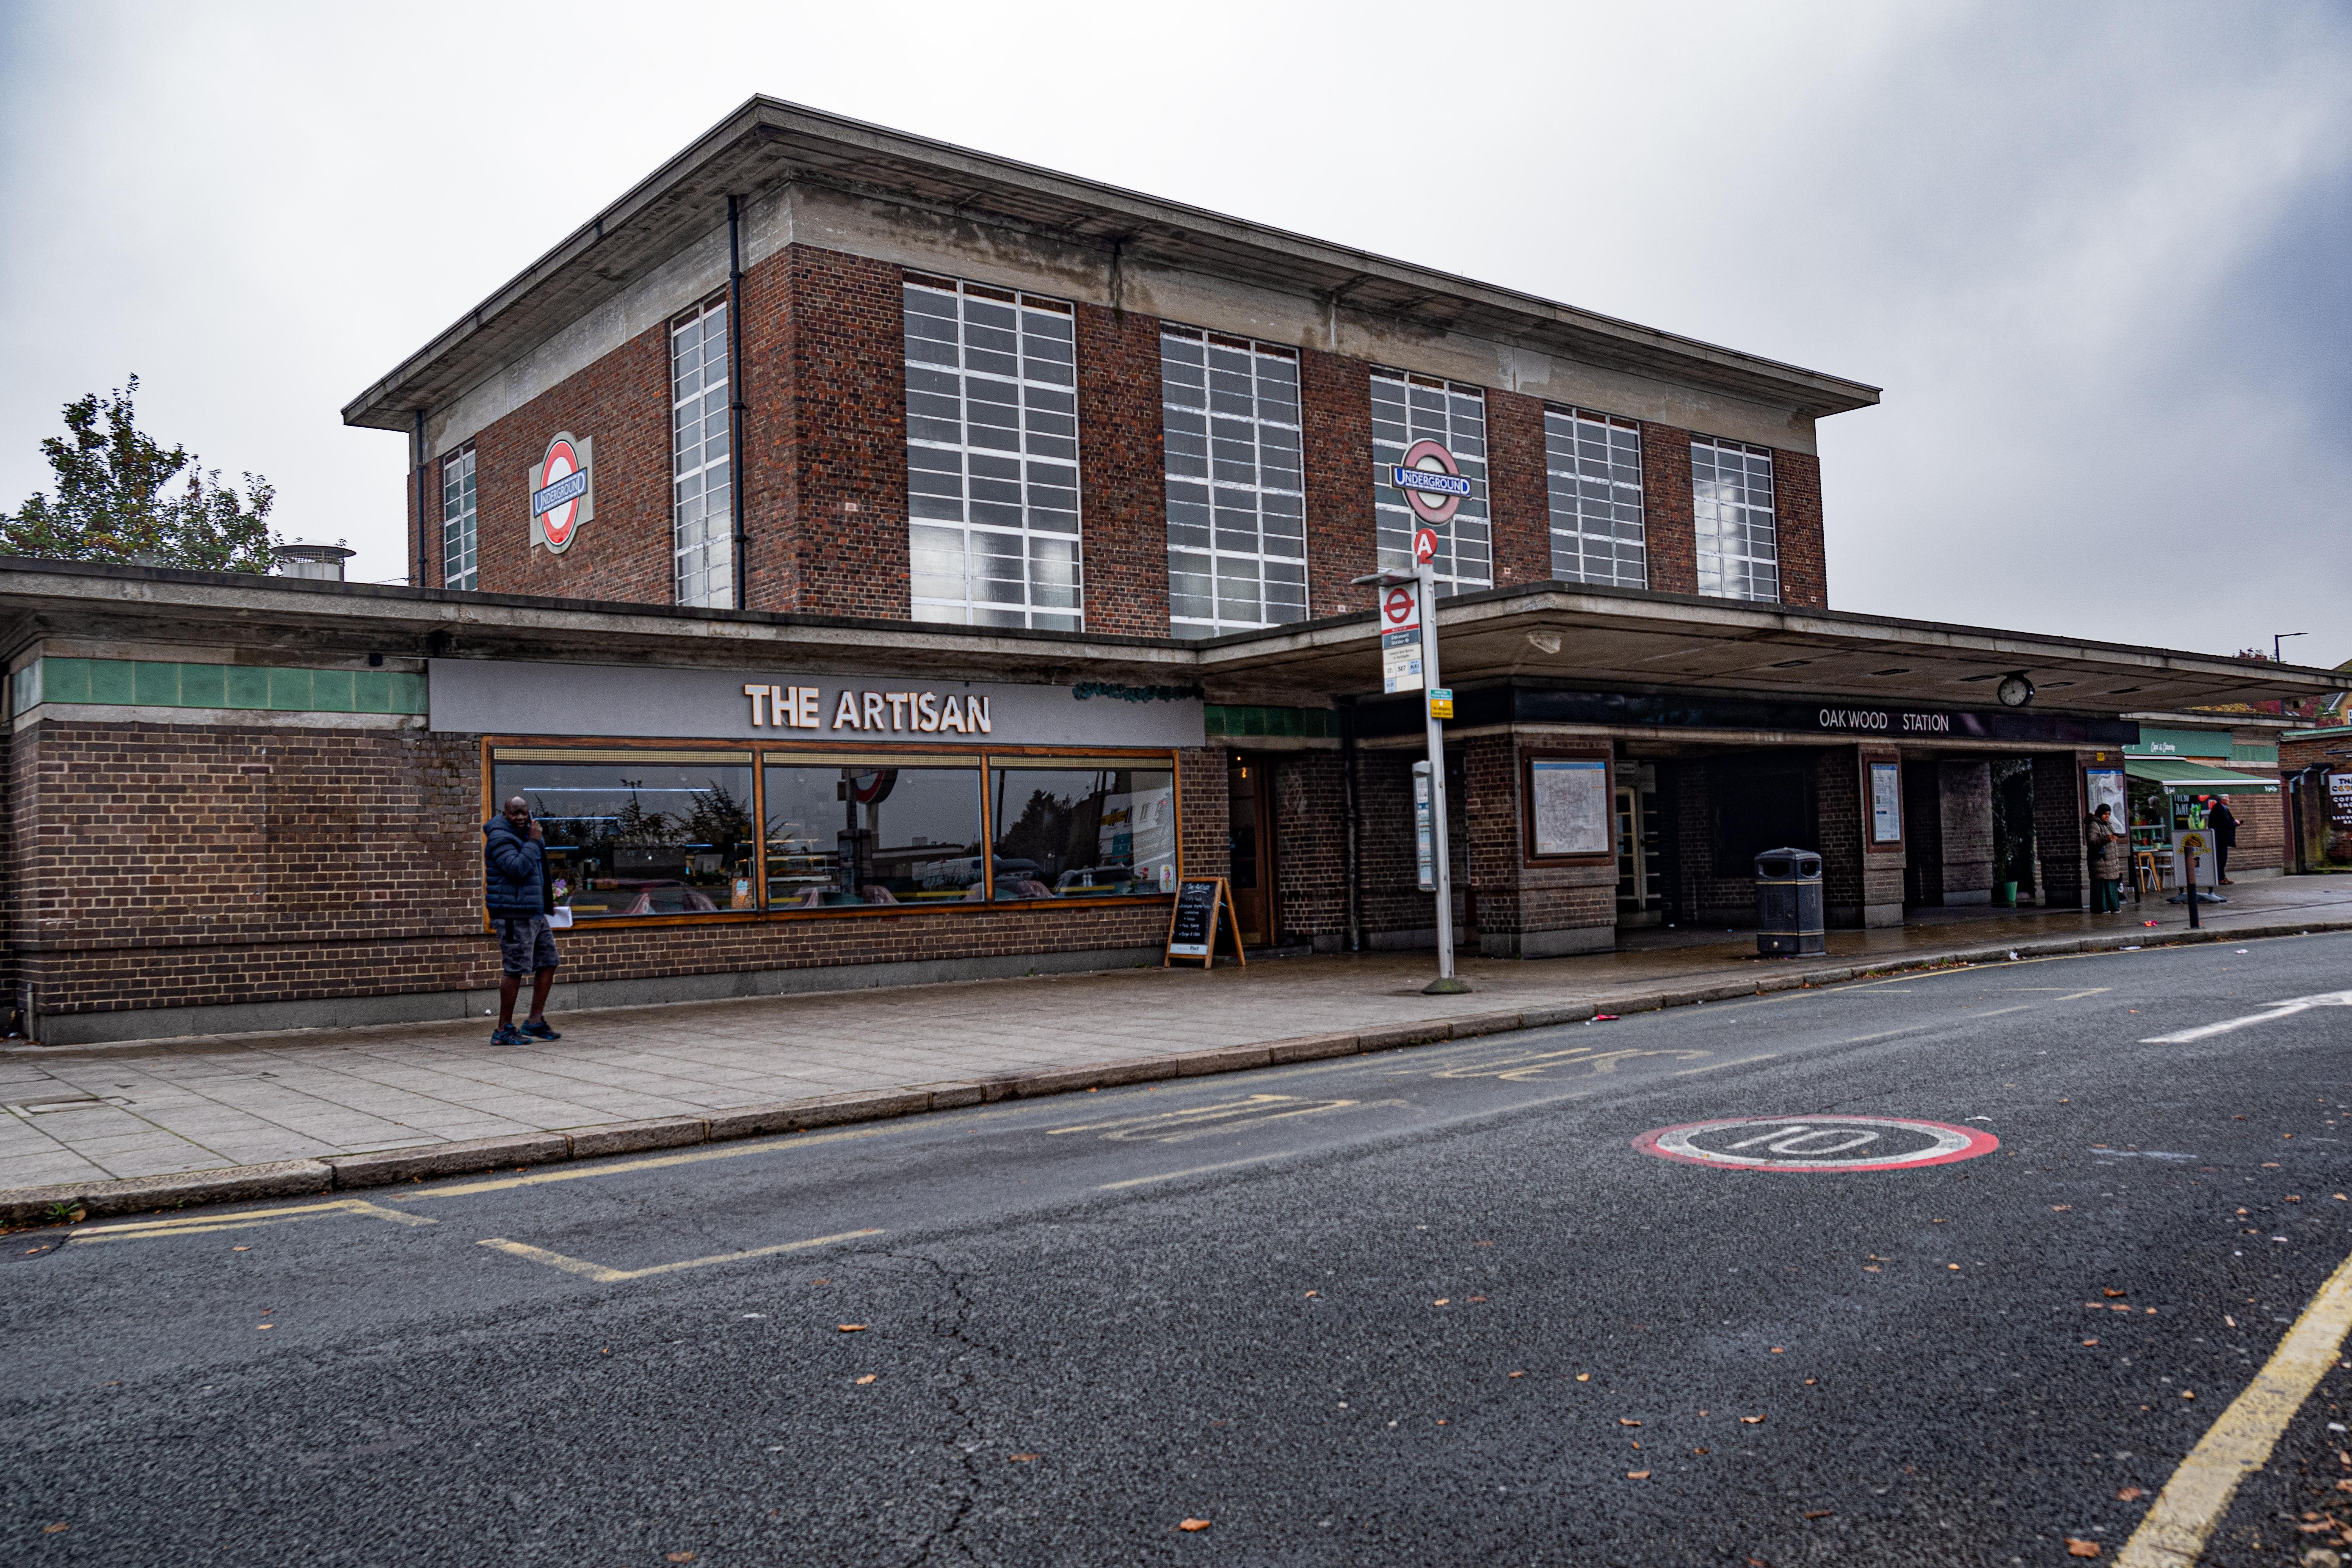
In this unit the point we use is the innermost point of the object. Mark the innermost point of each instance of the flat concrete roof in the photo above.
(768, 143)
(1558, 634)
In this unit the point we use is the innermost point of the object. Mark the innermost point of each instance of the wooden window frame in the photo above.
(982, 758)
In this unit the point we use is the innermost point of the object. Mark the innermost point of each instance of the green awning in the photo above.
(2181, 774)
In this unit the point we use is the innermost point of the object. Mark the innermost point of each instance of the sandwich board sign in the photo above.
(1204, 905)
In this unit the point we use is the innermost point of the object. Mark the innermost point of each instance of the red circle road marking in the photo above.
(1946, 1143)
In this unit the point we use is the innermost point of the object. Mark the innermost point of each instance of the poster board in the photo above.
(1568, 807)
(1886, 802)
(2105, 786)
(1203, 908)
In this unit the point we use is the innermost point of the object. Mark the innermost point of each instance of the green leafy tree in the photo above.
(115, 500)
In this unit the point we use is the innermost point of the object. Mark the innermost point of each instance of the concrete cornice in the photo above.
(767, 144)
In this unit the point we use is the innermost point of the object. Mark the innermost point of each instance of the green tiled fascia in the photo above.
(371, 691)
(65, 680)
(110, 680)
(204, 686)
(331, 690)
(407, 691)
(155, 685)
(289, 690)
(247, 687)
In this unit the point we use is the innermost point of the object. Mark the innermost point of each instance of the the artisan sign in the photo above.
(562, 491)
(504, 697)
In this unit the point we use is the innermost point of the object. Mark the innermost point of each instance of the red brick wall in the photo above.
(167, 866)
(841, 467)
(622, 403)
(1310, 827)
(1797, 516)
(1517, 491)
(1668, 524)
(1336, 396)
(1121, 473)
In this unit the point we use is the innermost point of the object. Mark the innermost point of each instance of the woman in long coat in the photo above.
(2108, 847)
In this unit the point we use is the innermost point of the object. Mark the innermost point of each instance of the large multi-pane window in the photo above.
(641, 833)
(1739, 541)
(459, 556)
(992, 457)
(1408, 408)
(867, 834)
(702, 494)
(1077, 830)
(1236, 494)
(1594, 464)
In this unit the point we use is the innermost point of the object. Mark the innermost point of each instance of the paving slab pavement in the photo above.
(172, 1108)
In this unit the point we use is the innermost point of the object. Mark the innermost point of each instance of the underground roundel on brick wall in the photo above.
(562, 491)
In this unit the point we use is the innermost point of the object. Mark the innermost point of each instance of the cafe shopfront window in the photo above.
(860, 833)
(640, 834)
(1080, 829)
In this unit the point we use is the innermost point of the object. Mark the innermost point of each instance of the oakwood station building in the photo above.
(879, 562)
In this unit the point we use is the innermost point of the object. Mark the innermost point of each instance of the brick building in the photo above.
(878, 561)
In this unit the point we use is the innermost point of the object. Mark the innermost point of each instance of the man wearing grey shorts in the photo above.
(513, 846)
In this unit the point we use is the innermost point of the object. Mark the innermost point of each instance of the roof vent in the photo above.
(300, 558)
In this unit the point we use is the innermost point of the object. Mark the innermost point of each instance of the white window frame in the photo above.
(1236, 482)
(1739, 533)
(1592, 467)
(702, 535)
(461, 565)
(1466, 544)
(980, 511)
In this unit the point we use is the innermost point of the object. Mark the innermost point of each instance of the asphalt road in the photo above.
(1433, 1306)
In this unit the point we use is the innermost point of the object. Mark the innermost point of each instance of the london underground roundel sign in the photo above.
(561, 496)
(1432, 481)
(1817, 1143)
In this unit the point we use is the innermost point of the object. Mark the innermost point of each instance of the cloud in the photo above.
(2094, 252)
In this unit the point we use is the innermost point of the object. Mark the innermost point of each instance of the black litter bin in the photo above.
(1788, 921)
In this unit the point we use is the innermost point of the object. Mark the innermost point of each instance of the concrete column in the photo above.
(1965, 804)
(2059, 834)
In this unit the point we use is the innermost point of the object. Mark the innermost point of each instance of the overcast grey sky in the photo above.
(2096, 253)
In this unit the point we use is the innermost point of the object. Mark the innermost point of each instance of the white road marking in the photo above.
(1194, 1171)
(604, 1276)
(2278, 1010)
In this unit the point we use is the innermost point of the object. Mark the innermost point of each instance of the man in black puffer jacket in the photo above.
(516, 893)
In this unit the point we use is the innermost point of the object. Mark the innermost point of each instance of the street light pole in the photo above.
(2278, 637)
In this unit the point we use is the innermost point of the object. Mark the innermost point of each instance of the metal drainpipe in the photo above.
(424, 545)
(737, 408)
(1351, 866)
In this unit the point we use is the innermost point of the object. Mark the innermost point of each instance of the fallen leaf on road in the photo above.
(1195, 1524)
(680, 1557)
(851, 1327)
(1751, 1420)
(1953, 1267)
(1443, 1302)
(1019, 1459)
(2231, 1322)
(2090, 1341)
(2077, 1547)
(2186, 1395)
(1870, 1268)
(2060, 1208)
(1315, 1292)
(2111, 1294)
(1637, 1475)
(2130, 1494)
(55, 1528)
(1698, 1450)
(1819, 1513)
(1779, 1349)
(1474, 1298)
(867, 1379)
(240, 1250)
(1584, 1377)
(1518, 1374)
(1622, 1422)
(264, 1325)
(2344, 1485)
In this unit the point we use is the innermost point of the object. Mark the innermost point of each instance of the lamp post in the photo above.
(2278, 637)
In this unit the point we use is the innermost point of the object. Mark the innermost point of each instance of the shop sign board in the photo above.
(1203, 907)
(562, 491)
(516, 697)
(2339, 802)
(2211, 745)
(1400, 639)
